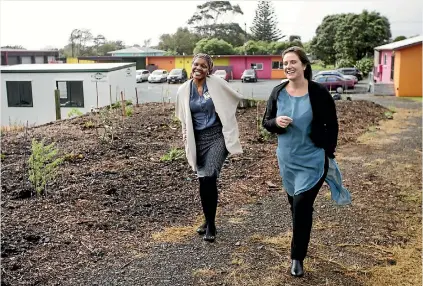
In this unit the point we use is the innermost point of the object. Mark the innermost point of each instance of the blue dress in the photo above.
(301, 163)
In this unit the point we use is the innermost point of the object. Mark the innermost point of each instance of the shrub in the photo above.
(365, 65)
(43, 165)
(129, 111)
(74, 112)
(344, 63)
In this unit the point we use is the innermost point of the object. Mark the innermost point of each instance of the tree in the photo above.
(214, 47)
(211, 11)
(16, 47)
(99, 40)
(294, 37)
(322, 44)
(147, 43)
(399, 38)
(350, 36)
(182, 42)
(264, 26)
(212, 20)
(229, 32)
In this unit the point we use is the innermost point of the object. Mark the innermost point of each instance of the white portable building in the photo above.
(28, 90)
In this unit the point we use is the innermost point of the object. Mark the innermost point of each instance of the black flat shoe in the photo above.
(210, 234)
(297, 268)
(202, 228)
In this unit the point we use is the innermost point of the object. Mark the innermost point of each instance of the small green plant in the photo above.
(43, 165)
(264, 134)
(392, 109)
(389, 115)
(89, 124)
(2, 156)
(129, 111)
(106, 122)
(172, 155)
(74, 112)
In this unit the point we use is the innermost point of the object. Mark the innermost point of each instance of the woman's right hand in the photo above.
(283, 121)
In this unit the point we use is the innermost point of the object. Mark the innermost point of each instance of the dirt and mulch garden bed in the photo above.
(110, 196)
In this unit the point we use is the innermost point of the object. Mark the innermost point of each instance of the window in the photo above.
(384, 59)
(257, 66)
(277, 65)
(321, 79)
(71, 93)
(332, 79)
(19, 93)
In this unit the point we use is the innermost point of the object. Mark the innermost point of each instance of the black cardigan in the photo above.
(324, 126)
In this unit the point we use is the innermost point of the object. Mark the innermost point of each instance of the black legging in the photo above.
(302, 217)
(208, 195)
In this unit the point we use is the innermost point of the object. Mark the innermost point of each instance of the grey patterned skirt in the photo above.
(211, 151)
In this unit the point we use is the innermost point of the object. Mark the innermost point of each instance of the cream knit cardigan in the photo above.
(225, 101)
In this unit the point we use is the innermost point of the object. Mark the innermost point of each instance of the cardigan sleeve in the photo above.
(332, 126)
(269, 118)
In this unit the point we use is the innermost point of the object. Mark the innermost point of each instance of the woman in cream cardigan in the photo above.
(206, 107)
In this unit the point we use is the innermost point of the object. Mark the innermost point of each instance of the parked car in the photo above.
(177, 75)
(142, 75)
(223, 74)
(334, 82)
(337, 73)
(249, 75)
(352, 71)
(158, 76)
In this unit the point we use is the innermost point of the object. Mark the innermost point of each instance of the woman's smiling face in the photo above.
(199, 68)
(292, 66)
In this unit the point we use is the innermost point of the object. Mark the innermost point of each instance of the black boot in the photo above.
(202, 228)
(297, 268)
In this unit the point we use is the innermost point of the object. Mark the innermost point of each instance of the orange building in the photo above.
(408, 70)
(398, 65)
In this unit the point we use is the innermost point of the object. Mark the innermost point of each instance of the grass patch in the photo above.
(174, 234)
(418, 99)
(403, 268)
(203, 273)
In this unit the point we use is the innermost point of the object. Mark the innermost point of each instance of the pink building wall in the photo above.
(266, 73)
(239, 64)
(385, 76)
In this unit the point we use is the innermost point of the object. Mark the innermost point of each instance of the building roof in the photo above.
(27, 51)
(401, 44)
(65, 68)
(136, 50)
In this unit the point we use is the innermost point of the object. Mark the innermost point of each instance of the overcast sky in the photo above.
(40, 24)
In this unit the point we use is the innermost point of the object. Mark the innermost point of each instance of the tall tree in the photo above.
(349, 36)
(213, 19)
(99, 40)
(179, 43)
(264, 26)
(211, 11)
(147, 43)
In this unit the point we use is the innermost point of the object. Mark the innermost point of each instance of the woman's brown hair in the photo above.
(308, 73)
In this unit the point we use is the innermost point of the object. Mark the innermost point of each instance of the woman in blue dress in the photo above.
(303, 115)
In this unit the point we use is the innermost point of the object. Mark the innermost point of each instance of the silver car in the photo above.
(142, 75)
(158, 76)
